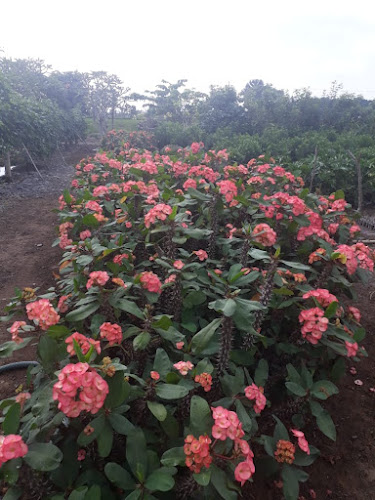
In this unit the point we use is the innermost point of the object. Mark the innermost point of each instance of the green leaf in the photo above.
(225, 488)
(158, 410)
(280, 431)
(244, 417)
(97, 424)
(290, 483)
(173, 456)
(13, 493)
(296, 265)
(94, 493)
(195, 298)
(323, 389)
(105, 440)
(203, 337)
(171, 391)
(43, 456)
(331, 310)
(162, 363)
(161, 479)
(136, 454)
(90, 221)
(82, 312)
(261, 373)
(121, 424)
(200, 416)
(326, 425)
(128, 306)
(293, 374)
(58, 331)
(12, 419)
(296, 389)
(119, 390)
(141, 341)
(225, 306)
(78, 494)
(119, 476)
(204, 477)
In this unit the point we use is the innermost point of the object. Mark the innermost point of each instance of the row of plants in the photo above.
(197, 327)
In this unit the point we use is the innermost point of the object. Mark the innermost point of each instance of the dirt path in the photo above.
(27, 231)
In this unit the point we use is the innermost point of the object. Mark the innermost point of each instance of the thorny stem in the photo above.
(265, 297)
(225, 346)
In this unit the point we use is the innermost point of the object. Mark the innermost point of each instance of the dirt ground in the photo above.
(345, 470)
(27, 231)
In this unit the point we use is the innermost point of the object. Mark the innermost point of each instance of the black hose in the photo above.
(17, 365)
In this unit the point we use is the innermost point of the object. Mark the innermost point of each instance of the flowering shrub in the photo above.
(195, 300)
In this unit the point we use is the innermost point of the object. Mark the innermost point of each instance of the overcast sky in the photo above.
(291, 44)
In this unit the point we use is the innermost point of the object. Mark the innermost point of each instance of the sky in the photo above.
(290, 44)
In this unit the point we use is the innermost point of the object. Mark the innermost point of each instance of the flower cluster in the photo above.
(150, 282)
(84, 343)
(253, 392)
(79, 388)
(205, 380)
(323, 296)
(285, 451)
(264, 234)
(111, 332)
(97, 278)
(183, 367)
(314, 324)
(43, 313)
(197, 453)
(159, 211)
(228, 189)
(11, 446)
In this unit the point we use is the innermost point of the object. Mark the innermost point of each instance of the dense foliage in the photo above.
(197, 328)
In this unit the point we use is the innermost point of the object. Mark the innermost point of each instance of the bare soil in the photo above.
(27, 231)
(346, 468)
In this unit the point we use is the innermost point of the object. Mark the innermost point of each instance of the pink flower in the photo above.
(314, 324)
(302, 442)
(119, 258)
(264, 234)
(97, 278)
(253, 392)
(355, 313)
(351, 348)
(79, 388)
(84, 235)
(81, 455)
(244, 471)
(155, 375)
(195, 147)
(159, 211)
(150, 282)
(179, 345)
(84, 343)
(322, 296)
(197, 452)
(183, 367)
(11, 446)
(43, 313)
(111, 332)
(190, 183)
(201, 254)
(178, 264)
(62, 306)
(15, 330)
(229, 189)
(22, 397)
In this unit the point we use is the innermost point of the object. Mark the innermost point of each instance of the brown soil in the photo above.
(345, 470)
(27, 231)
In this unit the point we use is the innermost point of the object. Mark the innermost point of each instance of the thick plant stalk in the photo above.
(214, 226)
(225, 346)
(324, 275)
(244, 252)
(265, 297)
